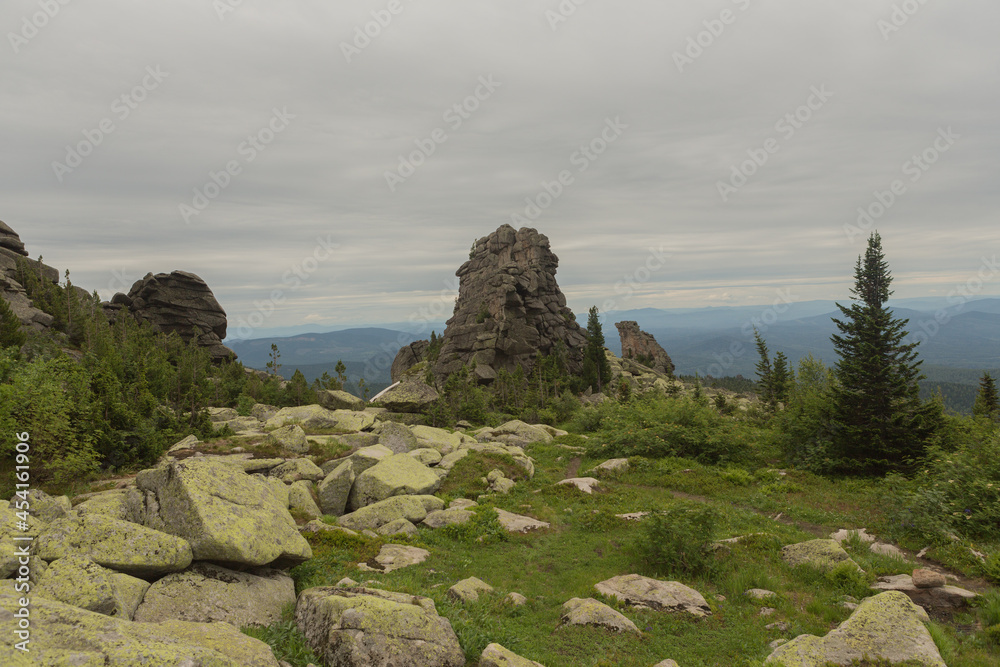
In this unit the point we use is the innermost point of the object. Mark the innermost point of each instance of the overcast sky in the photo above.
(739, 137)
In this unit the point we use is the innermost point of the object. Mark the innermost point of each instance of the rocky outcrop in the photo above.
(12, 252)
(408, 357)
(178, 302)
(642, 347)
(509, 309)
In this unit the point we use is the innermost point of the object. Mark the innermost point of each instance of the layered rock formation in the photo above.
(12, 251)
(178, 302)
(642, 347)
(509, 309)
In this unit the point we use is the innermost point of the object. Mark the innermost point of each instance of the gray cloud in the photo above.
(324, 175)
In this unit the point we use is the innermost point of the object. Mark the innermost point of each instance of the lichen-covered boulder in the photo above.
(112, 504)
(398, 527)
(426, 455)
(364, 626)
(399, 474)
(373, 517)
(336, 399)
(440, 439)
(42, 505)
(79, 581)
(638, 591)
(300, 500)
(447, 517)
(394, 557)
(316, 417)
(207, 593)
(515, 432)
(368, 457)
(823, 555)
(518, 523)
(495, 655)
(588, 611)
(884, 627)
(335, 489)
(468, 590)
(226, 515)
(291, 438)
(396, 437)
(293, 470)
(62, 634)
(410, 395)
(119, 545)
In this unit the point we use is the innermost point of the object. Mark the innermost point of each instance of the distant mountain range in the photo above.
(958, 341)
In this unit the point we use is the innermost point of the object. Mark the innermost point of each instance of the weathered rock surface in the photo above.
(316, 418)
(335, 399)
(394, 557)
(639, 591)
(943, 597)
(399, 474)
(642, 347)
(119, 545)
(79, 581)
(43, 506)
(291, 438)
(177, 302)
(495, 655)
(293, 470)
(226, 515)
(65, 635)
(588, 611)
(300, 500)
(468, 590)
(509, 308)
(517, 523)
(887, 627)
(923, 578)
(363, 626)
(398, 527)
(514, 432)
(335, 488)
(396, 437)
(585, 484)
(447, 517)
(823, 555)
(372, 517)
(612, 465)
(207, 593)
(426, 455)
(409, 396)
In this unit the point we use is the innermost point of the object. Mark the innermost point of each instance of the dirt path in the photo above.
(573, 467)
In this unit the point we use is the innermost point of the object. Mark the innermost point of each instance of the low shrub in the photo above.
(678, 540)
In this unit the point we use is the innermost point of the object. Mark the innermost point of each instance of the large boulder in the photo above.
(823, 555)
(62, 634)
(335, 489)
(79, 581)
(410, 395)
(354, 627)
(317, 418)
(226, 515)
(300, 499)
(291, 438)
(639, 591)
(43, 506)
(495, 655)
(119, 545)
(588, 611)
(179, 302)
(887, 627)
(396, 437)
(373, 517)
(514, 432)
(397, 475)
(207, 593)
(335, 399)
(113, 503)
(440, 439)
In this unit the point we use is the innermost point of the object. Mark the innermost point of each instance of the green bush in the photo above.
(678, 541)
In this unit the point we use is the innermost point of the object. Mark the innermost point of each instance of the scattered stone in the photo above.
(761, 594)
(447, 517)
(766, 611)
(639, 591)
(923, 578)
(823, 555)
(468, 590)
(886, 550)
(398, 527)
(293, 470)
(427, 456)
(498, 483)
(208, 593)
(632, 516)
(516, 599)
(395, 475)
(783, 626)
(667, 663)
(612, 465)
(585, 484)
(588, 611)
(394, 557)
(411, 508)
(291, 438)
(517, 523)
(777, 642)
(462, 504)
(885, 627)
(495, 655)
(944, 597)
(844, 534)
(367, 626)
(346, 581)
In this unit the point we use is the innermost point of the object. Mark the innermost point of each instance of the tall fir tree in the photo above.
(879, 422)
(596, 369)
(765, 374)
(987, 402)
(10, 327)
(782, 378)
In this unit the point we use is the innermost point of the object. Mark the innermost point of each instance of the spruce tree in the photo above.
(879, 422)
(987, 402)
(596, 369)
(765, 375)
(10, 327)
(782, 378)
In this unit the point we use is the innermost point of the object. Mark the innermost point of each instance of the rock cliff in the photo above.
(642, 347)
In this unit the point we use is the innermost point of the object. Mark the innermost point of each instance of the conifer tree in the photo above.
(596, 369)
(879, 422)
(765, 374)
(987, 402)
(10, 327)
(782, 378)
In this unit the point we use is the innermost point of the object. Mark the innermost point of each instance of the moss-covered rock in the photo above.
(399, 474)
(495, 655)
(372, 517)
(207, 593)
(79, 581)
(293, 470)
(823, 555)
(112, 504)
(119, 545)
(363, 626)
(884, 627)
(291, 438)
(226, 515)
(65, 635)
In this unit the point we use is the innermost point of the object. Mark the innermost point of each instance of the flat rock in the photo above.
(396, 475)
(468, 590)
(517, 523)
(366, 626)
(495, 655)
(923, 578)
(942, 597)
(447, 517)
(398, 527)
(293, 470)
(119, 545)
(638, 591)
(588, 611)
(226, 515)
(394, 557)
(612, 465)
(886, 627)
(585, 484)
(208, 593)
(822, 555)
(372, 517)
